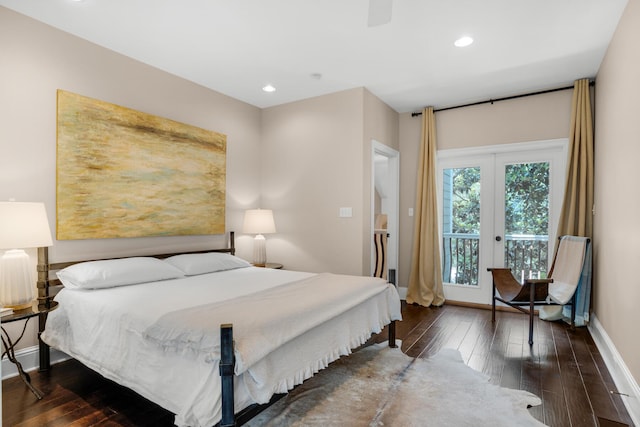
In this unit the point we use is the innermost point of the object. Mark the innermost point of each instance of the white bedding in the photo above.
(109, 330)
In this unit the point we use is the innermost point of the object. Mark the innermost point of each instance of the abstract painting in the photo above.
(124, 173)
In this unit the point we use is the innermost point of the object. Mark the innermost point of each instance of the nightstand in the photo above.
(273, 265)
(9, 344)
(270, 265)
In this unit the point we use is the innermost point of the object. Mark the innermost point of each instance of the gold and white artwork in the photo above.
(124, 173)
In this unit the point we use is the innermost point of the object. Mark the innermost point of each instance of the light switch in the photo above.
(345, 213)
(410, 211)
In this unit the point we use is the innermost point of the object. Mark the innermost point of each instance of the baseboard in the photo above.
(30, 361)
(626, 385)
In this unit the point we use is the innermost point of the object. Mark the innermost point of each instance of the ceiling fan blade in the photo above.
(379, 12)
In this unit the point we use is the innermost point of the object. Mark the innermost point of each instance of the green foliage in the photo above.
(526, 212)
(461, 255)
(527, 198)
(466, 200)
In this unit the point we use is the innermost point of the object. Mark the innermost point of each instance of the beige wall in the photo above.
(316, 159)
(311, 166)
(616, 226)
(37, 60)
(532, 118)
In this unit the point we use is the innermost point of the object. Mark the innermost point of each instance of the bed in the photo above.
(161, 325)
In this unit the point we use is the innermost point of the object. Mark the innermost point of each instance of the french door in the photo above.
(499, 206)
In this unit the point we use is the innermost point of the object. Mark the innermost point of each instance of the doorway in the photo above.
(385, 185)
(499, 206)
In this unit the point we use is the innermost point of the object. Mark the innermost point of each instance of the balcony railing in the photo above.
(460, 258)
(526, 255)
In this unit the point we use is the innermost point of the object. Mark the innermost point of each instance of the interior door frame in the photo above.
(486, 157)
(393, 203)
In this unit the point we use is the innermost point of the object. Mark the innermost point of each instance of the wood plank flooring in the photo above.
(563, 367)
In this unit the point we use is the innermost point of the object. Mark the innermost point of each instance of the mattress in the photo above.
(126, 334)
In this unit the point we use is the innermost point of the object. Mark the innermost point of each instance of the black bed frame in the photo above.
(227, 360)
(227, 365)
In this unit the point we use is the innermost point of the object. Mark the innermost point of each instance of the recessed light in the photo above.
(269, 88)
(463, 41)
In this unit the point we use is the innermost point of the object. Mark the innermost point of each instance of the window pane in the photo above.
(527, 219)
(461, 225)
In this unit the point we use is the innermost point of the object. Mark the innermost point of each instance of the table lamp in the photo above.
(259, 222)
(22, 225)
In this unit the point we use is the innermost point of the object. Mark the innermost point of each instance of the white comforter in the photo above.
(136, 335)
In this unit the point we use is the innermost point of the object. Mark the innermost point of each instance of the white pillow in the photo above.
(210, 262)
(116, 272)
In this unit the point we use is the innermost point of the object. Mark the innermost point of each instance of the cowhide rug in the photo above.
(380, 386)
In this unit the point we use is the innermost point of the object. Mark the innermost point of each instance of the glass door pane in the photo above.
(461, 225)
(497, 208)
(526, 219)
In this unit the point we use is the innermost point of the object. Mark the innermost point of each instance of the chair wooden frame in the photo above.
(528, 294)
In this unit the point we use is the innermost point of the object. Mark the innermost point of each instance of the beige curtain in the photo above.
(425, 281)
(576, 217)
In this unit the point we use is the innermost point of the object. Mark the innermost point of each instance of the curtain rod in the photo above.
(491, 101)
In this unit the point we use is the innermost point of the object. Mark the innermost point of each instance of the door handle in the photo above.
(498, 238)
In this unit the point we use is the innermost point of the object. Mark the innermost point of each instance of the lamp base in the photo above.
(259, 251)
(16, 280)
(20, 306)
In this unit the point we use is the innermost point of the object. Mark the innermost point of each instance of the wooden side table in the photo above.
(270, 265)
(273, 265)
(9, 344)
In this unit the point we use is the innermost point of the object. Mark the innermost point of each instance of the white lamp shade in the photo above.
(258, 221)
(23, 225)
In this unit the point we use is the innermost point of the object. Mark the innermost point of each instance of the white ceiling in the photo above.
(238, 46)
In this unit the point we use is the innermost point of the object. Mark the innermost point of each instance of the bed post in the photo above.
(227, 366)
(392, 325)
(44, 299)
(392, 334)
(232, 242)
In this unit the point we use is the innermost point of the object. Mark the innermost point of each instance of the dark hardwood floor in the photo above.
(563, 367)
